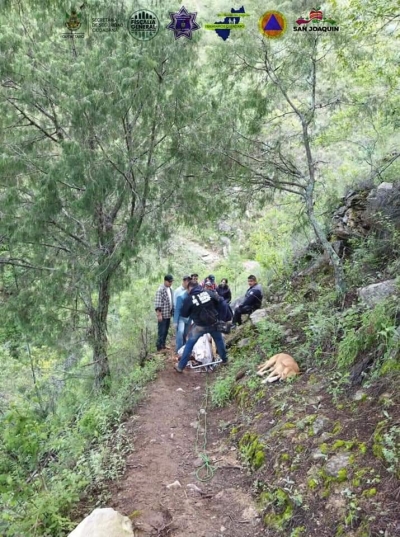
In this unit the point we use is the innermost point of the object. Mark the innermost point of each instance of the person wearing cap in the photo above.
(211, 285)
(194, 277)
(181, 324)
(164, 306)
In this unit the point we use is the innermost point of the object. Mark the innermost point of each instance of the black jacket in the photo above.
(191, 308)
(253, 297)
(225, 292)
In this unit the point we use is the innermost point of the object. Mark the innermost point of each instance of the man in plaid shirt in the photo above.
(164, 306)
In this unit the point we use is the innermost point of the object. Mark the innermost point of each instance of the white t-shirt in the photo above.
(169, 296)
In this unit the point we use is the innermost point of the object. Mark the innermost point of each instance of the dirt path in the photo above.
(164, 436)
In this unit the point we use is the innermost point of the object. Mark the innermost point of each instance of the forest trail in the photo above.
(163, 433)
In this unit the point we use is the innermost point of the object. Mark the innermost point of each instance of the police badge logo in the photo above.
(183, 23)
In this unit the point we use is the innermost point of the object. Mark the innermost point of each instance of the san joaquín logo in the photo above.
(315, 22)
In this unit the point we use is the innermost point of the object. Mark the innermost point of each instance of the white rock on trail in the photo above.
(174, 485)
(104, 523)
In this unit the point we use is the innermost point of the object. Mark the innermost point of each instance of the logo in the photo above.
(183, 23)
(272, 24)
(143, 25)
(318, 23)
(106, 24)
(73, 21)
(231, 22)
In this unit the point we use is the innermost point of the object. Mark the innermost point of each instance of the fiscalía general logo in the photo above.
(316, 23)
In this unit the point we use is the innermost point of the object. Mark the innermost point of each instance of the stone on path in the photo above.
(104, 523)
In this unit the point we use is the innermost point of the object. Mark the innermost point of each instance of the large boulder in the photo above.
(104, 523)
(361, 211)
(375, 293)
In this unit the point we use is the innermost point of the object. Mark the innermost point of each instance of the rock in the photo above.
(194, 488)
(360, 395)
(375, 293)
(225, 227)
(320, 424)
(317, 454)
(175, 485)
(104, 523)
(336, 463)
(325, 437)
(288, 332)
(240, 374)
(243, 342)
(272, 308)
(252, 266)
(385, 186)
(258, 315)
(249, 514)
(198, 462)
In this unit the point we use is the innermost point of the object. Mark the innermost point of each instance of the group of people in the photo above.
(195, 309)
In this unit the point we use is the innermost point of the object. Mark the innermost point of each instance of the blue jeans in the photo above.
(181, 332)
(163, 327)
(195, 334)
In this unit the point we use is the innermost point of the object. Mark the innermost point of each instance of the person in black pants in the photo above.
(252, 301)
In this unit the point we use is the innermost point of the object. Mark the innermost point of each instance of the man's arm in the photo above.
(178, 307)
(187, 306)
(158, 301)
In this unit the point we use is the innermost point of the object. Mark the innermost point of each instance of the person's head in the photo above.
(211, 277)
(168, 279)
(191, 285)
(251, 280)
(224, 282)
(208, 284)
(185, 281)
(195, 277)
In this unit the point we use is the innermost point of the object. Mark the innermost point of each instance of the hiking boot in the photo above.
(178, 369)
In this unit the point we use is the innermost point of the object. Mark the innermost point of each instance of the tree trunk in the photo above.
(99, 341)
(340, 283)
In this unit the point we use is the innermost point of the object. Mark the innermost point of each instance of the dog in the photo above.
(280, 366)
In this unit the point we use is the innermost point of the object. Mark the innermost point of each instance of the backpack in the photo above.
(225, 312)
(208, 316)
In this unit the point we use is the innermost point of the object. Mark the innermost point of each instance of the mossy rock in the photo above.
(252, 450)
(279, 509)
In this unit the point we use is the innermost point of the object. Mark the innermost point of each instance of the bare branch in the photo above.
(10, 100)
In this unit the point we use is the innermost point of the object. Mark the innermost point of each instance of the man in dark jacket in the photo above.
(252, 300)
(202, 307)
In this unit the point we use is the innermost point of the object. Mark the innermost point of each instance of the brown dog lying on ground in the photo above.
(280, 366)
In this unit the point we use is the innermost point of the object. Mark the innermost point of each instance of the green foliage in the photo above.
(376, 332)
(270, 243)
(251, 450)
(47, 465)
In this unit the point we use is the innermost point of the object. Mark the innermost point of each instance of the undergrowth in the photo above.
(46, 466)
